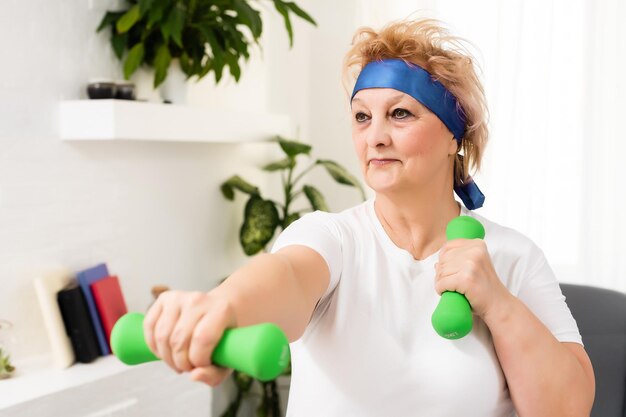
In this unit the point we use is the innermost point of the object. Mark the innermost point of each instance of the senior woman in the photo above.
(355, 291)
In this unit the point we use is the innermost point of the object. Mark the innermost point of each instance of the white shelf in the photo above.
(105, 387)
(36, 377)
(95, 120)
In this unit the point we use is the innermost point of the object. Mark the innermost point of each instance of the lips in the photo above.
(382, 161)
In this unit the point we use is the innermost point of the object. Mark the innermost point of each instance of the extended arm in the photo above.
(183, 328)
(281, 288)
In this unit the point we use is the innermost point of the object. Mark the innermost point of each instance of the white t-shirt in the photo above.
(370, 349)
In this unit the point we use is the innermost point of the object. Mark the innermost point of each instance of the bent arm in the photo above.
(281, 288)
(545, 377)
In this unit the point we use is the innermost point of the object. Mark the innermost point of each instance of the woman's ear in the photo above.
(453, 147)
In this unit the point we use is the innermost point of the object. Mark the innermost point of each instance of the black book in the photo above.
(77, 322)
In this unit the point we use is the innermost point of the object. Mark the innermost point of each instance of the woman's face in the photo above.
(401, 145)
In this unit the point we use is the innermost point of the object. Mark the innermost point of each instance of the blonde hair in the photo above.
(427, 43)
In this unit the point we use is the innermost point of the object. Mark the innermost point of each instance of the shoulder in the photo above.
(324, 229)
(518, 260)
(503, 239)
(353, 217)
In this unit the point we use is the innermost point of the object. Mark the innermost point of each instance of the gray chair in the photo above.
(601, 318)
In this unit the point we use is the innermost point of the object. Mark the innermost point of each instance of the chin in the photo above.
(382, 186)
(382, 177)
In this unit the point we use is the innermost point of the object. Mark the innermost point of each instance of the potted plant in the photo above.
(203, 35)
(6, 338)
(6, 369)
(262, 218)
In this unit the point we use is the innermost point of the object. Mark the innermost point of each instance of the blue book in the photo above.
(85, 279)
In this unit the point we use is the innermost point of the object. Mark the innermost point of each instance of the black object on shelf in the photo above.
(101, 89)
(125, 91)
(78, 323)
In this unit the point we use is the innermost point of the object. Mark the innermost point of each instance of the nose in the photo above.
(377, 133)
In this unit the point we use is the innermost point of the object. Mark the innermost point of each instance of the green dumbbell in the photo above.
(261, 351)
(452, 318)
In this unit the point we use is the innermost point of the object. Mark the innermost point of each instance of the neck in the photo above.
(417, 221)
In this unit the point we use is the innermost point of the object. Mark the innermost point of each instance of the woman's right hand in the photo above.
(183, 328)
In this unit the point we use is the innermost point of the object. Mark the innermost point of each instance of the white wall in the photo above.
(152, 211)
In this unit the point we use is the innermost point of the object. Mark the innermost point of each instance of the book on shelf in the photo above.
(78, 323)
(85, 279)
(47, 285)
(110, 303)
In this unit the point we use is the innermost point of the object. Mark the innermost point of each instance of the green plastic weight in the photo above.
(261, 351)
(452, 318)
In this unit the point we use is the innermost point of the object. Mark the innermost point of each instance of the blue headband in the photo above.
(419, 84)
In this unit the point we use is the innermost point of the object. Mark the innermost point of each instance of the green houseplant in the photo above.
(262, 218)
(6, 369)
(204, 35)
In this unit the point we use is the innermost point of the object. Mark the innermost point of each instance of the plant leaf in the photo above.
(284, 11)
(340, 174)
(299, 12)
(185, 65)
(128, 20)
(118, 41)
(207, 32)
(249, 17)
(5, 363)
(174, 24)
(218, 69)
(161, 64)
(156, 12)
(235, 182)
(315, 198)
(288, 162)
(133, 59)
(290, 219)
(108, 19)
(217, 63)
(233, 65)
(166, 30)
(293, 148)
(260, 222)
(235, 37)
(205, 69)
(145, 5)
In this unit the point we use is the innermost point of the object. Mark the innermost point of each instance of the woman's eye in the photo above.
(400, 113)
(360, 117)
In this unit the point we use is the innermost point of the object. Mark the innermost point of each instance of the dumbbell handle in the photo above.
(261, 351)
(452, 318)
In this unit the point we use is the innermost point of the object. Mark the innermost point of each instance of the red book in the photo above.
(110, 303)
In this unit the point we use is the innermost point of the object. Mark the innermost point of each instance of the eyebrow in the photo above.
(392, 99)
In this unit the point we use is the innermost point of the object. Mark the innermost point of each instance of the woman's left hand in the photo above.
(465, 267)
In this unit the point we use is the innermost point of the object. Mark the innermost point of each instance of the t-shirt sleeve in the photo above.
(316, 231)
(541, 293)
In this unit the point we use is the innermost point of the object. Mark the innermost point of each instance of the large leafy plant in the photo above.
(205, 35)
(263, 217)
